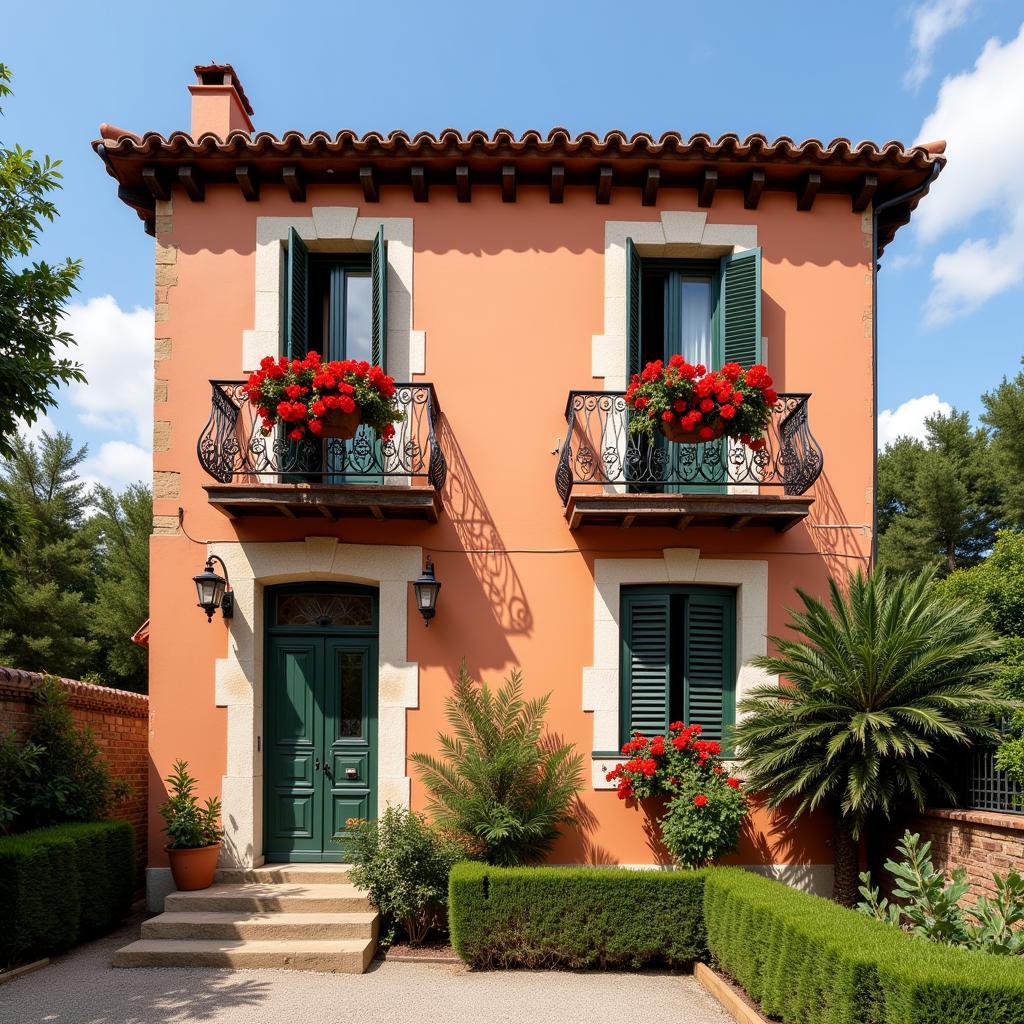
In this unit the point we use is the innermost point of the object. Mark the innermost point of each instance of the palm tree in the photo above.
(887, 679)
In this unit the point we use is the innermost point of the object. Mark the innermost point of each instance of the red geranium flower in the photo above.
(700, 800)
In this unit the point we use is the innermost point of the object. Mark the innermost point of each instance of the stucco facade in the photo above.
(504, 307)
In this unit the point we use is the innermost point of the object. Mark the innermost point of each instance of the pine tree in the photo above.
(44, 617)
(939, 500)
(1004, 413)
(122, 523)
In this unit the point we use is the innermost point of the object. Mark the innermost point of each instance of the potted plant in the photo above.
(193, 831)
(693, 405)
(698, 805)
(315, 399)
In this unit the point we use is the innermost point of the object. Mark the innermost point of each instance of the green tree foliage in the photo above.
(939, 500)
(122, 523)
(883, 683)
(1004, 413)
(33, 298)
(499, 781)
(45, 615)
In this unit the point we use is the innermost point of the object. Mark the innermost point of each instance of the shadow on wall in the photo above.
(836, 542)
(471, 519)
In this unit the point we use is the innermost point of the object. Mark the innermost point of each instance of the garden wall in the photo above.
(983, 842)
(118, 719)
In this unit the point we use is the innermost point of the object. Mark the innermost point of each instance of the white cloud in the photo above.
(907, 420)
(115, 347)
(932, 20)
(118, 463)
(980, 114)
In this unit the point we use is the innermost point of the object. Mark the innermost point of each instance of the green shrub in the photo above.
(73, 781)
(806, 960)
(575, 917)
(403, 864)
(502, 782)
(189, 825)
(62, 884)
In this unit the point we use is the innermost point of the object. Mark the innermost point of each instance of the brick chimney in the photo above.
(219, 103)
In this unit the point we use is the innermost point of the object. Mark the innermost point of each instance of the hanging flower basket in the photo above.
(693, 405)
(677, 433)
(313, 399)
(340, 424)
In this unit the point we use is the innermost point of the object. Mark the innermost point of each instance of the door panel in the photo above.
(292, 736)
(320, 755)
(350, 723)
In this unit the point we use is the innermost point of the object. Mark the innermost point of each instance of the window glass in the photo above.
(350, 681)
(358, 301)
(324, 610)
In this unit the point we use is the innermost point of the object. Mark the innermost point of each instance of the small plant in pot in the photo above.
(193, 831)
(314, 399)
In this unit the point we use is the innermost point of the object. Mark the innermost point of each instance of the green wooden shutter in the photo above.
(710, 656)
(632, 309)
(296, 297)
(645, 664)
(741, 307)
(379, 288)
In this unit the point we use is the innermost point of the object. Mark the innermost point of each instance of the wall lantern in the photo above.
(427, 587)
(213, 590)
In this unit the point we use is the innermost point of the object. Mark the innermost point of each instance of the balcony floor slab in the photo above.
(326, 501)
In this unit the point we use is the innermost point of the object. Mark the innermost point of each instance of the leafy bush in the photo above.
(403, 863)
(188, 824)
(934, 912)
(806, 960)
(19, 770)
(575, 917)
(73, 781)
(705, 809)
(500, 782)
(62, 884)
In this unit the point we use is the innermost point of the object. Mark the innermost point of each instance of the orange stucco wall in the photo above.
(509, 296)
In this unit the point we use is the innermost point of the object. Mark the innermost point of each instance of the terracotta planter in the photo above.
(341, 424)
(674, 432)
(193, 869)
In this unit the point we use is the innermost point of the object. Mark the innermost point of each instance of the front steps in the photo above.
(301, 917)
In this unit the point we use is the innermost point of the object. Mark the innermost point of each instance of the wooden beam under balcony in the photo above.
(378, 502)
(778, 512)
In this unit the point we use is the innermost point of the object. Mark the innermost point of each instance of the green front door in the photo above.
(320, 735)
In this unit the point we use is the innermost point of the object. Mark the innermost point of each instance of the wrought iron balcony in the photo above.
(608, 476)
(257, 475)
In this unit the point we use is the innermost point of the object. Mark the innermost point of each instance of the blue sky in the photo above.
(950, 294)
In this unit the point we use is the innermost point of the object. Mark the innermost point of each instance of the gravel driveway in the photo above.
(82, 988)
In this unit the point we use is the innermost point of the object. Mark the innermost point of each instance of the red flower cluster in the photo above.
(300, 392)
(711, 403)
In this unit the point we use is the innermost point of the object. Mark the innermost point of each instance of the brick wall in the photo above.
(119, 720)
(983, 842)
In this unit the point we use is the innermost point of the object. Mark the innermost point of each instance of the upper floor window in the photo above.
(708, 311)
(335, 303)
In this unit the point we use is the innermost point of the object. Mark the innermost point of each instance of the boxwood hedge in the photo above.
(62, 884)
(575, 917)
(806, 960)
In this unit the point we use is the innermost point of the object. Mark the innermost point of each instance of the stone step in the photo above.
(266, 925)
(313, 874)
(348, 956)
(253, 897)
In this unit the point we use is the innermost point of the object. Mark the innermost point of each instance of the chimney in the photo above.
(219, 103)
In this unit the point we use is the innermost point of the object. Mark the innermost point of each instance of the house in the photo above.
(511, 286)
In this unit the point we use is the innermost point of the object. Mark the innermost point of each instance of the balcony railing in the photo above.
(599, 450)
(233, 451)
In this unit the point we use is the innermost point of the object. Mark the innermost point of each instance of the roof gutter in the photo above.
(876, 210)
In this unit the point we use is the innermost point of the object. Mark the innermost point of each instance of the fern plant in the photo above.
(500, 780)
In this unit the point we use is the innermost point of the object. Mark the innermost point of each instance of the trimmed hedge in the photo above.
(806, 960)
(62, 884)
(575, 917)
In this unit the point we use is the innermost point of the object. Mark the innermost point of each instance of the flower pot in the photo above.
(674, 432)
(341, 424)
(193, 868)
